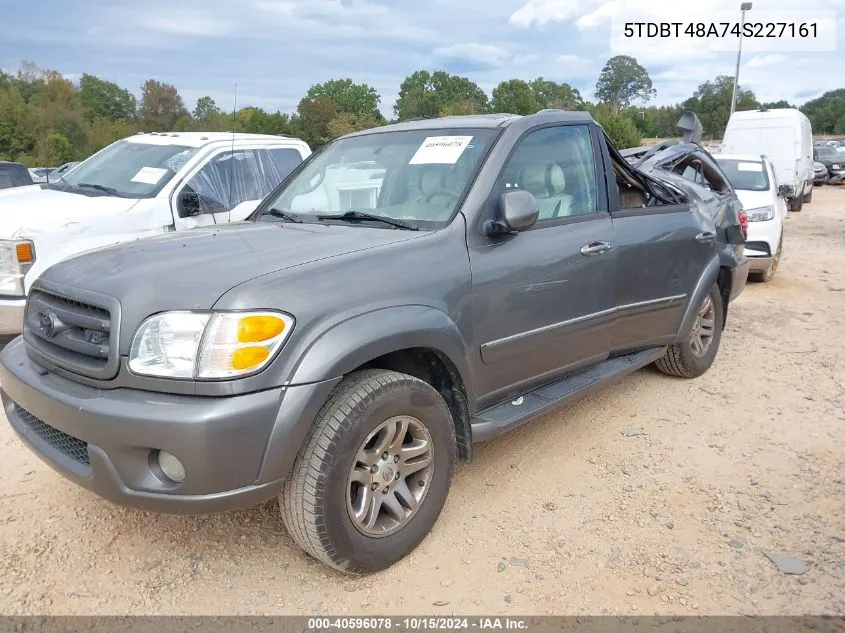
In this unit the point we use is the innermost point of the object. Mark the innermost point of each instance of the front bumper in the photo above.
(11, 316)
(759, 264)
(236, 450)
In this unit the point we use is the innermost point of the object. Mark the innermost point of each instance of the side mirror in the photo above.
(188, 203)
(518, 211)
(784, 191)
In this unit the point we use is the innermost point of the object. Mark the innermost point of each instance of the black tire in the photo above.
(314, 499)
(769, 274)
(680, 359)
(809, 197)
(796, 203)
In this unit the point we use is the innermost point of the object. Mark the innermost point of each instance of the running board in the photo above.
(504, 417)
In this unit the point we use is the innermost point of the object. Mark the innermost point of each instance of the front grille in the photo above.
(72, 334)
(759, 246)
(73, 447)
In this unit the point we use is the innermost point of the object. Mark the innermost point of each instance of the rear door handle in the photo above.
(595, 248)
(705, 237)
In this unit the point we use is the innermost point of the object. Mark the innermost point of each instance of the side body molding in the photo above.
(705, 282)
(361, 338)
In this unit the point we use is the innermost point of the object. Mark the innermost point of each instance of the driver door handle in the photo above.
(595, 248)
(707, 236)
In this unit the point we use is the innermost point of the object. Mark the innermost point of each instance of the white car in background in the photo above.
(764, 201)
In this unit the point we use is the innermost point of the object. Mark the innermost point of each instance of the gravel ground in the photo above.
(654, 496)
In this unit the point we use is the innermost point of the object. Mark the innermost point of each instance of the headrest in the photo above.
(542, 179)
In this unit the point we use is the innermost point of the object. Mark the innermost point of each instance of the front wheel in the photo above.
(809, 197)
(694, 356)
(373, 473)
(796, 203)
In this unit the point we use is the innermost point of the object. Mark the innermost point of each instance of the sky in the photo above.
(273, 50)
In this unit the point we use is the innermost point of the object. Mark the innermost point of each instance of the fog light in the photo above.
(171, 467)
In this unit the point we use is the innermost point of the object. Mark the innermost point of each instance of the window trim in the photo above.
(490, 206)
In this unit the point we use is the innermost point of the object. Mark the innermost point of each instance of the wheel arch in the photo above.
(420, 341)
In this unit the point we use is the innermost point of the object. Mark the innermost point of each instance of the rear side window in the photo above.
(14, 176)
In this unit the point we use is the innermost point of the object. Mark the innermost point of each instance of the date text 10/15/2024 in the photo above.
(417, 623)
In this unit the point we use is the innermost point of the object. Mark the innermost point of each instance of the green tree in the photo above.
(349, 97)
(105, 100)
(775, 105)
(712, 103)
(459, 108)
(621, 130)
(206, 110)
(346, 123)
(514, 97)
(54, 149)
(424, 94)
(312, 120)
(827, 113)
(623, 81)
(561, 96)
(161, 106)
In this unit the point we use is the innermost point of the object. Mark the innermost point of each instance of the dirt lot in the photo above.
(654, 496)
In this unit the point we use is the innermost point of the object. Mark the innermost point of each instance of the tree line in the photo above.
(46, 119)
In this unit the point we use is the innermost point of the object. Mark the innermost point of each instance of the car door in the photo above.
(230, 183)
(542, 300)
(662, 252)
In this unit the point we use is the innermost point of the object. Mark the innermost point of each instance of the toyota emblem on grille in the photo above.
(48, 323)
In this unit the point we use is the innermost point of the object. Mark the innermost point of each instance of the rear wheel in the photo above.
(695, 355)
(373, 473)
(809, 197)
(796, 203)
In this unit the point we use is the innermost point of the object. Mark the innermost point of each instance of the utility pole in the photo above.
(745, 6)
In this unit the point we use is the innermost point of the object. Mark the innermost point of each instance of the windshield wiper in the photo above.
(283, 215)
(356, 216)
(109, 190)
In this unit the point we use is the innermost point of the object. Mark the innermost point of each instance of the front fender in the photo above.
(362, 338)
(709, 277)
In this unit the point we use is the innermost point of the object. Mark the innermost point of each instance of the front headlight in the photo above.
(207, 345)
(16, 258)
(761, 214)
(836, 165)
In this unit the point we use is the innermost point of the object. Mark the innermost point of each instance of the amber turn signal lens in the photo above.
(248, 357)
(24, 253)
(255, 329)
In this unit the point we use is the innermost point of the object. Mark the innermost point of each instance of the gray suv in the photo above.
(409, 291)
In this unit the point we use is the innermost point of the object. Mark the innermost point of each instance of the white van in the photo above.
(785, 136)
(137, 187)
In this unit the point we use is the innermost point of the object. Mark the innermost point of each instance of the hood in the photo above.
(754, 199)
(33, 209)
(190, 270)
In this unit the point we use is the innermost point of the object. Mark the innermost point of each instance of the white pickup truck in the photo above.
(137, 187)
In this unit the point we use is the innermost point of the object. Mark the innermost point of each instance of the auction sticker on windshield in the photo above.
(443, 150)
(149, 175)
(750, 167)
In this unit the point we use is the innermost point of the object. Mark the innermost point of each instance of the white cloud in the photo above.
(485, 54)
(542, 12)
(186, 24)
(761, 61)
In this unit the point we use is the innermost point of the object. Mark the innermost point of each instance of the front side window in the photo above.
(242, 175)
(556, 165)
(745, 175)
(129, 169)
(415, 176)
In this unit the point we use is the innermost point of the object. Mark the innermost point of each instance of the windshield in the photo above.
(417, 176)
(745, 175)
(129, 169)
(826, 151)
